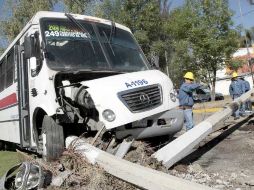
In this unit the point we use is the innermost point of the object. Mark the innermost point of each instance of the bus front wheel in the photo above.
(52, 139)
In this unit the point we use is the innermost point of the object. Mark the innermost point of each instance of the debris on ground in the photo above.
(87, 176)
(141, 151)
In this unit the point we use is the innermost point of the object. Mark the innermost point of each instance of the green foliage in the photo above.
(22, 12)
(248, 38)
(235, 64)
(202, 37)
(76, 6)
(1, 51)
(112, 10)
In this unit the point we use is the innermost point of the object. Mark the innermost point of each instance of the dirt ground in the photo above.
(225, 159)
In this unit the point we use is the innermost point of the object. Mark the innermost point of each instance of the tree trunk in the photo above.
(213, 86)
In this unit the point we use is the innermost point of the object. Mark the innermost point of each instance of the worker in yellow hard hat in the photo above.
(186, 98)
(189, 75)
(234, 75)
(236, 89)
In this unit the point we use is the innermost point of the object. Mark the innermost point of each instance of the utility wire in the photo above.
(244, 14)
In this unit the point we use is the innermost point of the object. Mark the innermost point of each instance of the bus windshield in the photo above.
(93, 46)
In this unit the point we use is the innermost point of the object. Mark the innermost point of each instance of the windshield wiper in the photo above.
(105, 35)
(112, 31)
(72, 19)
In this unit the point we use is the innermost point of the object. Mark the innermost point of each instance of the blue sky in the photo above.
(247, 10)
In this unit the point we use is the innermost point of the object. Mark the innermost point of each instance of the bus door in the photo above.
(23, 96)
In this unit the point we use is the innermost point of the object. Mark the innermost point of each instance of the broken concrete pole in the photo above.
(184, 144)
(140, 176)
(60, 178)
(123, 148)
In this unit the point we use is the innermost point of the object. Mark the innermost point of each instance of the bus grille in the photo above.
(141, 99)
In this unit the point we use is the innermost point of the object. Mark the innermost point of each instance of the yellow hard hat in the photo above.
(189, 75)
(234, 75)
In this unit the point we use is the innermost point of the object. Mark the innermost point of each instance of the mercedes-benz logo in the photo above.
(144, 98)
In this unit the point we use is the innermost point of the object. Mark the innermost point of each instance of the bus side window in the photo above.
(2, 75)
(10, 69)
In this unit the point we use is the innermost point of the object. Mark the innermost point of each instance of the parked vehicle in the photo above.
(203, 94)
(70, 74)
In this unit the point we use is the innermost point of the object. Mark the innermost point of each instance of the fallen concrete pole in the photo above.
(184, 144)
(140, 176)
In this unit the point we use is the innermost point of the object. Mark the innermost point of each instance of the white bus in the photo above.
(69, 74)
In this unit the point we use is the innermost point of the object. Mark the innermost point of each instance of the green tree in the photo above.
(182, 60)
(235, 64)
(247, 38)
(1, 51)
(112, 10)
(22, 12)
(202, 30)
(76, 6)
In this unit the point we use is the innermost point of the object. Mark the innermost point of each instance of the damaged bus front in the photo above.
(87, 74)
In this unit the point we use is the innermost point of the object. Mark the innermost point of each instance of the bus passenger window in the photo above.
(10, 69)
(2, 76)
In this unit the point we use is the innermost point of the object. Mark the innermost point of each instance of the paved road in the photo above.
(228, 152)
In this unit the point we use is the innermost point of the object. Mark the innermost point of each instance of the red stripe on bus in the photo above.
(8, 101)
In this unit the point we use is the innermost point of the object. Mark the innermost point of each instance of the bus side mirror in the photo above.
(29, 47)
(32, 46)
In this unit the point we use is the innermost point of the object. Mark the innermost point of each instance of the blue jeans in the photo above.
(248, 105)
(188, 119)
(237, 112)
(242, 108)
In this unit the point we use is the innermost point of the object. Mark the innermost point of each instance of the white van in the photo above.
(68, 74)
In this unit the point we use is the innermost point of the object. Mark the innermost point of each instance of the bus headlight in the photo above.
(173, 96)
(84, 99)
(29, 176)
(109, 115)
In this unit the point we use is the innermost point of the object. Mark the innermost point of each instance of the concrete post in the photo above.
(184, 144)
(140, 176)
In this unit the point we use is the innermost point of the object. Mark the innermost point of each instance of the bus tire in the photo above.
(52, 139)
(2, 145)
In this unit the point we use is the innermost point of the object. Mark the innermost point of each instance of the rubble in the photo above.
(88, 176)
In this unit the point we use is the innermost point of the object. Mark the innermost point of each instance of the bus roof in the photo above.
(49, 14)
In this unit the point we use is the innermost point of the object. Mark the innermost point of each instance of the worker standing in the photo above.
(186, 99)
(247, 104)
(236, 89)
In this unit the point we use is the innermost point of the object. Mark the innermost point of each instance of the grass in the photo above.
(7, 160)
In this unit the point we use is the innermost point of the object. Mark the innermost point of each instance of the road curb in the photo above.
(207, 110)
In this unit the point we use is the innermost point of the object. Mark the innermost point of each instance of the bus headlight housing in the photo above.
(109, 115)
(84, 99)
(173, 95)
(29, 176)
